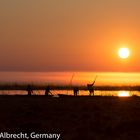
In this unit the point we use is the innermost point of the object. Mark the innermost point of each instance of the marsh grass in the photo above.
(23, 86)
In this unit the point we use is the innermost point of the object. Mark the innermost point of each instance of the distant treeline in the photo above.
(64, 87)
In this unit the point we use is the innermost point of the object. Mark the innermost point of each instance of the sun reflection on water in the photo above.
(123, 93)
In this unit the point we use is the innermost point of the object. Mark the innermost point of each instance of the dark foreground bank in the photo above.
(75, 118)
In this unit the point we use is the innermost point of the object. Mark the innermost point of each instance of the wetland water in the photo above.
(70, 92)
(71, 79)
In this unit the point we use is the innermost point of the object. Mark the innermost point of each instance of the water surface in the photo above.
(73, 78)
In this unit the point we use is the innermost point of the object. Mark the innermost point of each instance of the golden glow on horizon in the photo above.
(123, 53)
(123, 94)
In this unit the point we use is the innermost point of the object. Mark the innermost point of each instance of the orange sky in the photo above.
(69, 35)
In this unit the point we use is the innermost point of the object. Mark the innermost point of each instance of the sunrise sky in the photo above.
(69, 35)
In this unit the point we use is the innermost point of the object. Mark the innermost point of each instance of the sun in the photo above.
(123, 53)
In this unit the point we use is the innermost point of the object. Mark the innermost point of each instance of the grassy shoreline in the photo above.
(16, 86)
